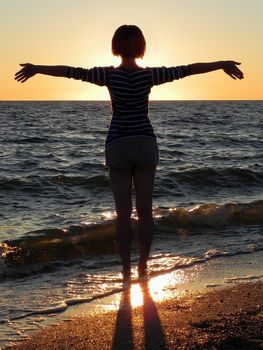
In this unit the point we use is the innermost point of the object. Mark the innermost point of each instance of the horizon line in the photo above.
(108, 100)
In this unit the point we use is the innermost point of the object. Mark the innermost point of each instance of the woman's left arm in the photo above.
(229, 67)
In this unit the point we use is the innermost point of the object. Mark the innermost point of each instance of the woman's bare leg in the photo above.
(121, 184)
(143, 183)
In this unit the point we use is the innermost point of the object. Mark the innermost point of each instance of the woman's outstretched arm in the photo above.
(29, 70)
(229, 67)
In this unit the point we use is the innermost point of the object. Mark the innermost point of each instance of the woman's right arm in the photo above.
(95, 75)
(29, 70)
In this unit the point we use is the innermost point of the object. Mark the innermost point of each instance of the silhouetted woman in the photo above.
(131, 149)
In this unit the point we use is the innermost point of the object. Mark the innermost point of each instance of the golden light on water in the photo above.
(159, 288)
(109, 215)
(173, 285)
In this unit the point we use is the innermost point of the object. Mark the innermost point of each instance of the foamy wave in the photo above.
(213, 215)
(57, 245)
(237, 279)
(40, 248)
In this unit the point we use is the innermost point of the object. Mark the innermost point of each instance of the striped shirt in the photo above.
(129, 91)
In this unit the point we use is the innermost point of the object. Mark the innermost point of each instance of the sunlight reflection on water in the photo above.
(160, 288)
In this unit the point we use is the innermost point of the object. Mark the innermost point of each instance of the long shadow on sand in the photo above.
(123, 337)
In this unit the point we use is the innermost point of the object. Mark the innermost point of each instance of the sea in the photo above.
(57, 216)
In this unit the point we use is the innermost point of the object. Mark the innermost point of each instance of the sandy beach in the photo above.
(220, 318)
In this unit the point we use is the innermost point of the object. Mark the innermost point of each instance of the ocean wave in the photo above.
(197, 178)
(36, 183)
(37, 249)
(237, 279)
(213, 215)
(92, 181)
(50, 245)
(225, 177)
(63, 306)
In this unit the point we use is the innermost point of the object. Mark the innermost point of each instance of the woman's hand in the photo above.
(230, 68)
(28, 71)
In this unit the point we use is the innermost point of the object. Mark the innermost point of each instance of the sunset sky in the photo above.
(79, 32)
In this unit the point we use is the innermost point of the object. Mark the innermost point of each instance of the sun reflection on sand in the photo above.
(175, 284)
(160, 288)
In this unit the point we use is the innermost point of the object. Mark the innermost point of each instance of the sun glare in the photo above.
(160, 288)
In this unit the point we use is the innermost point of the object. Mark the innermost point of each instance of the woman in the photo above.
(131, 149)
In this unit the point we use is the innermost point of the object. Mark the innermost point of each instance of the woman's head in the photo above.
(128, 41)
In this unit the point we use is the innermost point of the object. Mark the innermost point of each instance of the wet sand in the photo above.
(222, 318)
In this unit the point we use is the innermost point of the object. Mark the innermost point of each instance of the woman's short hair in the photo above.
(128, 41)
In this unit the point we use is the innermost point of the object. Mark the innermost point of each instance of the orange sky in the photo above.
(79, 32)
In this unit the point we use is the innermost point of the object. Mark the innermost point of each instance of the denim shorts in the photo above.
(132, 152)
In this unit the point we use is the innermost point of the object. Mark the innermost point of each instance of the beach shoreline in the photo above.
(58, 259)
(228, 317)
